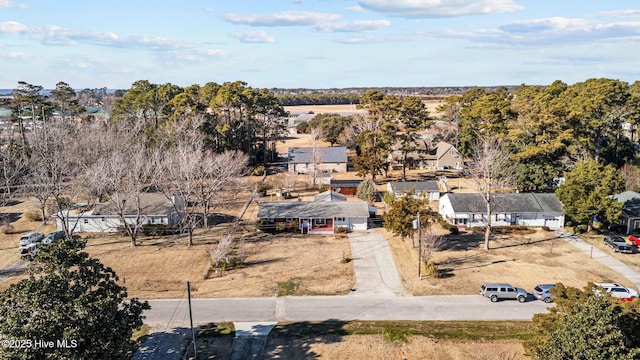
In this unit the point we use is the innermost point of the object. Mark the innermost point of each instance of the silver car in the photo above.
(497, 291)
(541, 292)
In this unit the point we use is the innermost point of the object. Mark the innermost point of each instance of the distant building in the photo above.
(421, 189)
(329, 159)
(630, 210)
(103, 217)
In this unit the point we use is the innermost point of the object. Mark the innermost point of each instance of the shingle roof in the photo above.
(419, 186)
(151, 204)
(345, 183)
(334, 154)
(329, 196)
(314, 210)
(508, 203)
(631, 200)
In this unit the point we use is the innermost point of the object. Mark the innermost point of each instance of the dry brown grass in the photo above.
(524, 260)
(632, 260)
(367, 347)
(324, 109)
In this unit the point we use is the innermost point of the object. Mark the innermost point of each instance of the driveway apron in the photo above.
(375, 269)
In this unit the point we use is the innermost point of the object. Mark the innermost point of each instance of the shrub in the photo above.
(158, 230)
(262, 189)
(258, 171)
(580, 229)
(618, 228)
(33, 215)
(451, 228)
(342, 230)
(322, 189)
(431, 269)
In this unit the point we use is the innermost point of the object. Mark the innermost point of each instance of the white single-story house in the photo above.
(328, 159)
(421, 189)
(317, 217)
(527, 209)
(630, 210)
(103, 217)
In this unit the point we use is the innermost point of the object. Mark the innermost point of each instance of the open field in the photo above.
(325, 109)
(379, 340)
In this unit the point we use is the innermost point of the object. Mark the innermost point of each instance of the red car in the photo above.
(634, 240)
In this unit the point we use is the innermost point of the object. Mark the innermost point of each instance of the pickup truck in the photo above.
(617, 244)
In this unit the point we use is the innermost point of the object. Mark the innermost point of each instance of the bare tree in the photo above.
(491, 168)
(126, 175)
(203, 179)
(315, 155)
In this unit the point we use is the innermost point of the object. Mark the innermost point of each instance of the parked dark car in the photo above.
(617, 244)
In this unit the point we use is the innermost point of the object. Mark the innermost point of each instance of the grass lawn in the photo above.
(380, 340)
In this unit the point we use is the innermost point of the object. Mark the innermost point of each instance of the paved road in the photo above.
(321, 308)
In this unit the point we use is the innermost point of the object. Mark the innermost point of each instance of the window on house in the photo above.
(320, 221)
(85, 221)
(501, 217)
(288, 219)
(477, 217)
(340, 219)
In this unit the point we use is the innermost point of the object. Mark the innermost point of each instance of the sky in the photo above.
(317, 43)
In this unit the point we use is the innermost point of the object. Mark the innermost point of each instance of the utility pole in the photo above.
(193, 334)
(419, 249)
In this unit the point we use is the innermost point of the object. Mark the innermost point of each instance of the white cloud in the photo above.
(354, 26)
(14, 55)
(438, 8)
(259, 36)
(6, 4)
(12, 27)
(548, 24)
(550, 31)
(356, 8)
(286, 18)
(619, 13)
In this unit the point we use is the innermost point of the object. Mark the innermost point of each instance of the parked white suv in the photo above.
(616, 290)
(31, 238)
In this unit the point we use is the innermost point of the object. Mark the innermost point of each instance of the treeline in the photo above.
(548, 129)
(318, 99)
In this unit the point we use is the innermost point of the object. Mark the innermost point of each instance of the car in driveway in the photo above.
(618, 244)
(53, 237)
(499, 291)
(29, 250)
(616, 290)
(31, 238)
(542, 292)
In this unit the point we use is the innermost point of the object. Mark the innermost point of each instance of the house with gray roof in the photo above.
(526, 209)
(630, 210)
(421, 189)
(156, 208)
(315, 217)
(326, 159)
(345, 187)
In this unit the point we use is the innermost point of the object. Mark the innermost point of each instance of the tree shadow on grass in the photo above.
(295, 340)
(462, 242)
